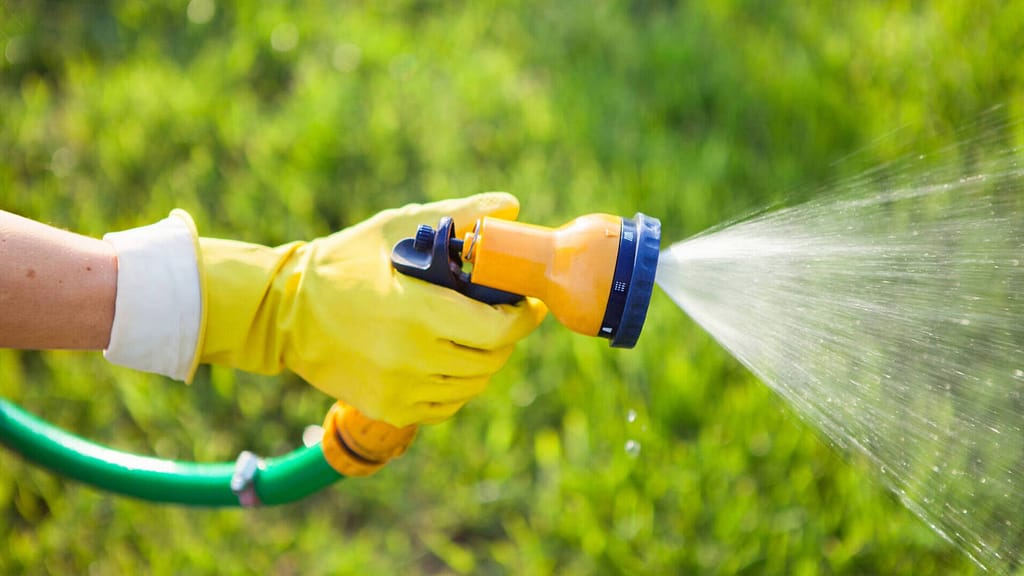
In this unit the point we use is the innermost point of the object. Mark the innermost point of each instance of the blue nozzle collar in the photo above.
(633, 280)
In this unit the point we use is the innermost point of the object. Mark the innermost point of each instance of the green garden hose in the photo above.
(249, 481)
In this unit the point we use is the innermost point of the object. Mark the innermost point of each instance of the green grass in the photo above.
(113, 114)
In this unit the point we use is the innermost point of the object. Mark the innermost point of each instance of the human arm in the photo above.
(332, 310)
(57, 288)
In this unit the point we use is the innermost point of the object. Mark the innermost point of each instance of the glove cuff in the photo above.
(158, 311)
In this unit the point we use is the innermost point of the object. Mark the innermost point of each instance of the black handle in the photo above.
(436, 256)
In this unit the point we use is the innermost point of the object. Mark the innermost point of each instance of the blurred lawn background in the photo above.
(280, 121)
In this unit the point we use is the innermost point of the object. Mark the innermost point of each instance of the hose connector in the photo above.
(355, 445)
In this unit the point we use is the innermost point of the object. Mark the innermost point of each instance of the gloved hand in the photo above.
(336, 313)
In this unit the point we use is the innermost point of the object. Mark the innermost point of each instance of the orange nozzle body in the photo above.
(569, 268)
(595, 274)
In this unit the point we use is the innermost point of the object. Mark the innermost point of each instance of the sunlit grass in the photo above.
(273, 123)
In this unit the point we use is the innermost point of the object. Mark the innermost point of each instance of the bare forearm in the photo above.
(57, 288)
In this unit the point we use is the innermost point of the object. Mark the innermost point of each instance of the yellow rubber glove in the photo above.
(336, 313)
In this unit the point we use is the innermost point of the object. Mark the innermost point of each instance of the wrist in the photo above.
(102, 259)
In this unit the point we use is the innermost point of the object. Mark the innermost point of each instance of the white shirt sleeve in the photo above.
(158, 311)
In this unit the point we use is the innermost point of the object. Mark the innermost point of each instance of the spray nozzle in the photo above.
(595, 273)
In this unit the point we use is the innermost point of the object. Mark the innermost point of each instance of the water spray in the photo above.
(888, 311)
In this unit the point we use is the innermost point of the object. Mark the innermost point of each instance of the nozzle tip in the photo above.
(641, 282)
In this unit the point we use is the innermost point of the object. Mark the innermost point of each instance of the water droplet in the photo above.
(1018, 373)
(631, 416)
(632, 448)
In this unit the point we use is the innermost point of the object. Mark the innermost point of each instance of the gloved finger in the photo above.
(401, 222)
(453, 316)
(467, 211)
(445, 389)
(400, 417)
(453, 360)
(494, 326)
(436, 412)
